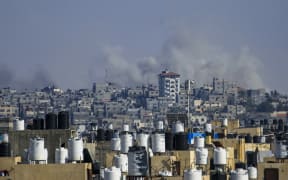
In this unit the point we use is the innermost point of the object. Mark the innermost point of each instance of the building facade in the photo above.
(169, 85)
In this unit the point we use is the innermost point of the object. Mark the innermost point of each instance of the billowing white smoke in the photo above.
(192, 58)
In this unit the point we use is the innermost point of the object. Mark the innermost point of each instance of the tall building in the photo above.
(169, 85)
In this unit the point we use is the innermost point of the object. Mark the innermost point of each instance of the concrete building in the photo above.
(169, 85)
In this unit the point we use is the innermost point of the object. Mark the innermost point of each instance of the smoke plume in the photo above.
(39, 79)
(189, 56)
(6, 76)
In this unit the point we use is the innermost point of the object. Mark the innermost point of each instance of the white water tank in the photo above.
(125, 127)
(115, 144)
(220, 156)
(159, 125)
(121, 161)
(126, 142)
(280, 150)
(201, 156)
(262, 139)
(112, 173)
(142, 139)
(252, 173)
(239, 174)
(61, 155)
(199, 142)
(165, 173)
(110, 126)
(208, 127)
(18, 125)
(192, 174)
(37, 152)
(158, 142)
(225, 122)
(75, 149)
(5, 138)
(178, 127)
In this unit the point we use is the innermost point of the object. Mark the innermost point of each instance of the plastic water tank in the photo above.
(280, 150)
(137, 161)
(158, 142)
(142, 139)
(220, 156)
(75, 149)
(51, 121)
(225, 122)
(37, 151)
(61, 155)
(112, 173)
(192, 174)
(110, 126)
(18, 125)
(5, 149)
(126, 142)
(208, 128)
(159, 125)
(252, 173)
(169, 141)
(201, 156)
(180, 141)
(63, 120)
(125, 127)
(178, 127)
(239, 174)
(262, 139)
(121, 161)
(199, 142)
(5, 138)
(115, 144)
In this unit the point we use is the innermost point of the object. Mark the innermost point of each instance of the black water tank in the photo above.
(230, 136)
(96, 168)
(109, 134)
(5, 150)
(248, 138)
(218, 175)
(285, 128)
(251, 157)
(169, 140)
(240, 165)
(38, 123)
(280, 127)
(100, 134)
(181, 141)
(63, 120)
(221, 135)
(51, 121)
(256, 139)
(269, 139)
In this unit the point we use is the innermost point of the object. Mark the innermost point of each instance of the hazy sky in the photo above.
(72, 43)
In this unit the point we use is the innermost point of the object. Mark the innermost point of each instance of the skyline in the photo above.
(73, 43)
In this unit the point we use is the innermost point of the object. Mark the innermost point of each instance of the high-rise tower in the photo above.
(169, 84)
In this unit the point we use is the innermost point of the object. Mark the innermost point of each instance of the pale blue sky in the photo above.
(65, 39)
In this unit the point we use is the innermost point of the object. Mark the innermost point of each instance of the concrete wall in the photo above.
(52, 172)
(20, 140)
(160, 163)
(282, 169)
(45, 171)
